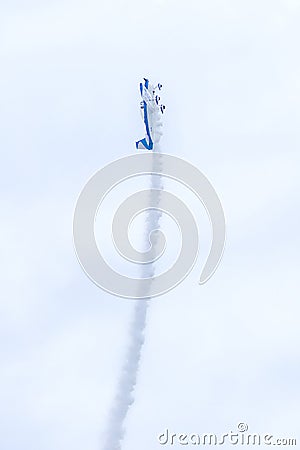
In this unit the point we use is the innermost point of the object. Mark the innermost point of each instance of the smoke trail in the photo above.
(128, 378)
(127, 381)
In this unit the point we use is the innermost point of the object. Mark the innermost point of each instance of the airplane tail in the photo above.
(143, 145)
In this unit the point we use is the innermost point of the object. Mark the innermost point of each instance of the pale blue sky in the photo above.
(216, 354)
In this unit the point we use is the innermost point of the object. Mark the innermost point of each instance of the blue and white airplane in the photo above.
(151, 111)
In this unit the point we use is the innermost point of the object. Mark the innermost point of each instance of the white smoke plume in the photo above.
(126, 384)
(127, 381)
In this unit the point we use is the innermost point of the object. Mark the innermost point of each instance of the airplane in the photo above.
(151, 111)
